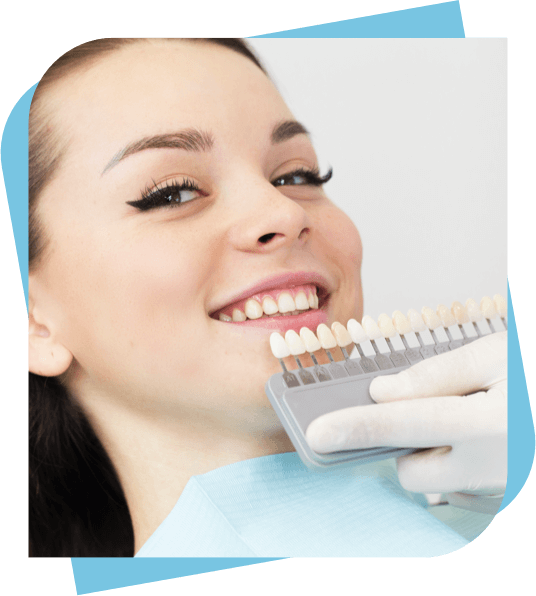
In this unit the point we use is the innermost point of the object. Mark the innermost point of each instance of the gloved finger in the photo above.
(475, 466)
(422, 423)
(474, 367)
(481, 504)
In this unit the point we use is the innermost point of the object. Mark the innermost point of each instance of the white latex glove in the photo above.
(428, 405)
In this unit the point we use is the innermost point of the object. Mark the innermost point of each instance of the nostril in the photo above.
(266, 238)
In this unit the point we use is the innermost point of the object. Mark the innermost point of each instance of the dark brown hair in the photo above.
(77, 505)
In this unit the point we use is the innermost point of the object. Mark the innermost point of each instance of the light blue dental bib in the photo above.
(273, 506)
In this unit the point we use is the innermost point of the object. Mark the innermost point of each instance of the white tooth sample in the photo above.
(430, 318)
(401, 324)
(225, 318)
(294, 343)
(301, 301)
(415, 320)
(501, 305)
(238, 315)
(473, 310)
(341, 334)
(386, 325)
(460, 312)
(487, 306)
(357, 333)
(253, 309)
(310, 340)
(371, 327)
(279, 346)
(446, 316)
(285, 303)
(269, 306)
(325, 337)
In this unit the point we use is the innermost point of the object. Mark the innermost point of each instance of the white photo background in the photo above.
(415, 130)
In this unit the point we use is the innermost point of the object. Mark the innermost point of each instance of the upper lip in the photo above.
(276, 282)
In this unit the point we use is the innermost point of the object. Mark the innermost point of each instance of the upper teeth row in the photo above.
(386, 327)
(253, 309)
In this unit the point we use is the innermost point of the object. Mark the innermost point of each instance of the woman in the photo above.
(169, 186)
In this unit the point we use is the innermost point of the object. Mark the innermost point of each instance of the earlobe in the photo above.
(46, 356)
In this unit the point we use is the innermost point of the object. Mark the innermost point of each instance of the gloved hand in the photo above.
(454, 403)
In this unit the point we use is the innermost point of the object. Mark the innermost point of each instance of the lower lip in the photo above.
(310, 319)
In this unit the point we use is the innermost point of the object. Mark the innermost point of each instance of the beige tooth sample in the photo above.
(401, 324)
(294, 343)
(416, 322)
(473, 311)
(371, 327)
(279, 346)
(356, 331)
(341, 334)
(301, 301)
(285, 303)
(238, 315)
(430, 318)
(225, 318)
(269, 306)
(386, 325)
(460, 312)
(487, 306)
(446, 316)
(325, 337)
(310, 340)
(501, 305)
(253, 309)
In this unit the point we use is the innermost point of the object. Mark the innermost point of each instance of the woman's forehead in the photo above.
(146, 88)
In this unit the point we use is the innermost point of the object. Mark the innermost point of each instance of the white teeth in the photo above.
(501, 305)
(316, 302)
(446, 316)
(269, 306)
(341, 334)
(460, 312)
(238, 315)
(386, 325)
(311, 300)
(301, 301)
(473, 311)
(225, 318)
(357, 333)
(415, 320)
(325, 337)
(294, 343)
(371, 328)
(430, 318)
(279, 346)
(285, 303)
(253, 309)
(402, 325)
(487, 306)
(310, 340)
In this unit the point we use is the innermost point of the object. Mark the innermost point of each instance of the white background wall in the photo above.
(416, 133)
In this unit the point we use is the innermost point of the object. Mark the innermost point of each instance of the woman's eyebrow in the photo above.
(191, 139)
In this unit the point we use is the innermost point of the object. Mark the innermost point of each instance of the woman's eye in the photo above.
(303, 177)
(170, 195)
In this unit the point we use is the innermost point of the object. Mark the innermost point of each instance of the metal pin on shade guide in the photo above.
(297, 348)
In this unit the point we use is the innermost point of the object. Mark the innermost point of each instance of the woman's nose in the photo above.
(269, 221)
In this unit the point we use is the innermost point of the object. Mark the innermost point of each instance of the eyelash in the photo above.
(161, 196)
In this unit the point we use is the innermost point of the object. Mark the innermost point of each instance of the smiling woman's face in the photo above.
(135, 281)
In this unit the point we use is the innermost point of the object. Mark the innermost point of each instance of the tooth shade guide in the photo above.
(412, 341)
(397, 343)
(440, 335)
(455, 332)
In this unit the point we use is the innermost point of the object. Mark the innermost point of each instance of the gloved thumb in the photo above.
(474, 367)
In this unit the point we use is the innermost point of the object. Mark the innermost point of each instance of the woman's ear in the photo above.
(46, 355)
